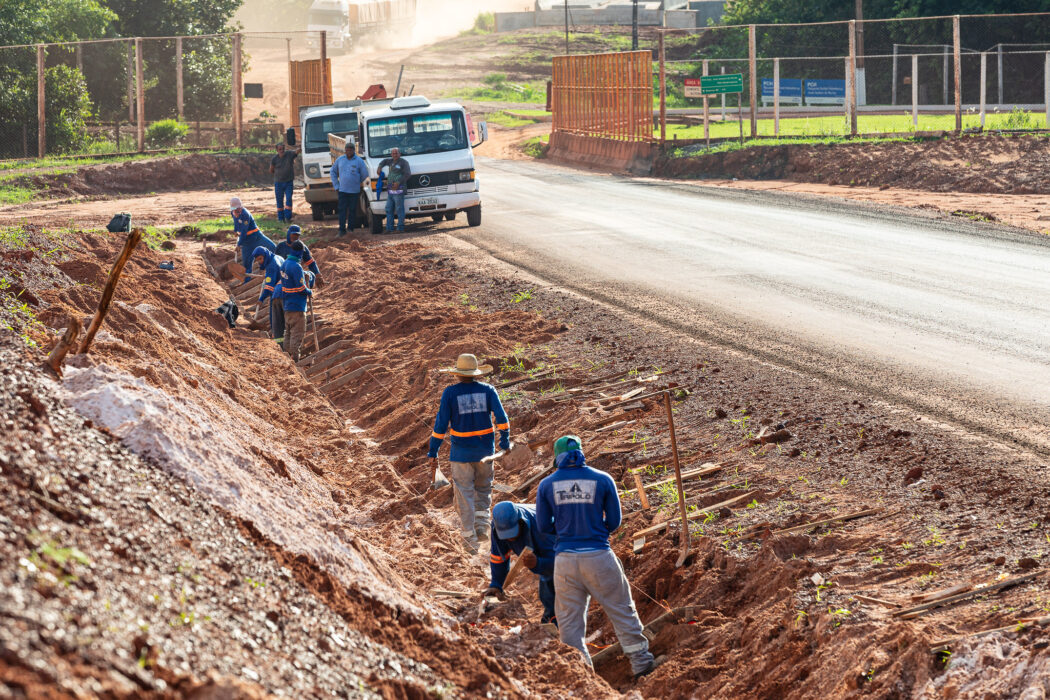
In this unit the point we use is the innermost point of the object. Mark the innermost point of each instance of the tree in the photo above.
(33, 22)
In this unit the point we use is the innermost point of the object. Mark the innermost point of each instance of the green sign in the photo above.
(718, 84)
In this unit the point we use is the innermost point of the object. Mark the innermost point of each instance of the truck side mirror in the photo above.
(483, 132)
(289, 136)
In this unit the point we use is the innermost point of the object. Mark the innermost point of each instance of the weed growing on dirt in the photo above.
(508, 121)
(496, 88)
(536, 147)
(523, 295)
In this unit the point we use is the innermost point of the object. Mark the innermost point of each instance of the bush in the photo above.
(66, 106)
(1019, 119)
(495, 80)
(485, 23)
(166, 133)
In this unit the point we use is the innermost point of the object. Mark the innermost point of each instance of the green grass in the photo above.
(13, 193)
(505, 120)
(70, 163)
(536, 146)
(837, 125)
(497, 88)
(532, 112)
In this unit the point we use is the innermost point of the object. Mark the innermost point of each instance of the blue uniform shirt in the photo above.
(579, 505)
(294, 288)
(348, 173)
(541, 544)
(272, 270)
(284, 249)
(464, 414)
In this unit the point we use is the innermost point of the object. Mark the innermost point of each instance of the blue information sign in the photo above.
(790, 90)
(825, 92)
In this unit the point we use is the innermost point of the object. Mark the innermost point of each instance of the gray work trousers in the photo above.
(580, 575)
(473, 482)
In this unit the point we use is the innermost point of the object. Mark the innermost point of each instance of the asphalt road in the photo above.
(941, 317)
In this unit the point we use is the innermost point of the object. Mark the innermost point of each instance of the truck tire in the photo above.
(474, 216)
(450, 216)
(437, 217)
(375, 223)
(317, 211)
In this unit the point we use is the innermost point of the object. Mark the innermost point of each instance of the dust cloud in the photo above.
(436, 19)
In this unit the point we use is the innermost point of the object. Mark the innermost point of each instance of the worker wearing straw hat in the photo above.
(465, 415)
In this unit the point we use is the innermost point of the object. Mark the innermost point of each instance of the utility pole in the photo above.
(634, 26)
(566, 27)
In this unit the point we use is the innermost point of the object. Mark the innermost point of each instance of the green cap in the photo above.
(567, 443)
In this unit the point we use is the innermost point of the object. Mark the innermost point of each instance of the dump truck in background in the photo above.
(355, 21)
(437, 140)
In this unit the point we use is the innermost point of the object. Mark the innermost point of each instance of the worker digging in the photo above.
(271, 265)
(295, 291)
(465, 414)
(249, 237)
(309, 263)
(515, 529)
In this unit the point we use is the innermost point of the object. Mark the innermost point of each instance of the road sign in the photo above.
(718, 84)
(692, 87)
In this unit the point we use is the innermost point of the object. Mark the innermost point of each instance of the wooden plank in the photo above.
(944, 644)
(944, 593)
(615, 426)
(527, 484)
(325, 352)
(673, 616)
(639, 488)
(829, 521)
(660, 527)
(450, 594)
(911, 613)
(876, 601)
(521, 380)
(332, 360)
(703, 470)
(111, 286)
(328, 375)
(638, 398)
(515, 568)
(347, 378)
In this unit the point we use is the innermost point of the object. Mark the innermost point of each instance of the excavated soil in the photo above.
(986, 163)
(323, 468)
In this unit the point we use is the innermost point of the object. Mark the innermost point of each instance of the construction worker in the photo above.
(465, 414)
(398, 172)
(271, 265)
(295, 291)
(249, 237)
(579, 505)
(282, 165)
(514, 527)
(348, 176)
(308, 262)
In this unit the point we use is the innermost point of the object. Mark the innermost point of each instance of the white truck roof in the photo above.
(395, 109)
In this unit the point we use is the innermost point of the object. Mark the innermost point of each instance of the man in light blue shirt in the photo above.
(349, 173)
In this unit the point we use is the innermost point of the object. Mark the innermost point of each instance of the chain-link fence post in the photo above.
(984, 85)
(1046, 87)
(851, 78)
(180, 90)
(915, 90)
(237, 90)
(663, 90)
(41, 102)
(131, 81)
(752, 67)
(957, 48)
(140, 99)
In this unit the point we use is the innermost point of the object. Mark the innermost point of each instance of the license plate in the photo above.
(424, 201)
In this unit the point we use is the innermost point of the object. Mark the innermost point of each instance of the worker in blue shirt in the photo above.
(249, 237)
(579, 505)
(348, 175)
(295, 291)
(271, 265)
(465, 414)
(514, 527)
(308, 262)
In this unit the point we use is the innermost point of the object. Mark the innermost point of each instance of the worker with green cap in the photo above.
(579, 505)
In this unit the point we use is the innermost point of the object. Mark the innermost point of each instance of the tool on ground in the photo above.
(313, 322)
(166, 265)
(678, 480)
(515, 567)
(439, 481)
(111, 286)
(67, 342)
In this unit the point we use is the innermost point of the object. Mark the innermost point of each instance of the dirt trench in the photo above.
(759, 613)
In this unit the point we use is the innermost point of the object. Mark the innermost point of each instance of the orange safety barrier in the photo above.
(304, 77)
(607, 95)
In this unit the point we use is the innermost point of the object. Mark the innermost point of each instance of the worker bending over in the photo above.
(249, 237)
(271, 265)
(295, 291)
(465, 414)
(580, 506)
(308, 262)
(514, 527)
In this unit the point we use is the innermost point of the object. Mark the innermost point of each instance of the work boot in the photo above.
(471, 544)
(651, 667)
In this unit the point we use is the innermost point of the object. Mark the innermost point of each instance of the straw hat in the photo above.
(467, 366)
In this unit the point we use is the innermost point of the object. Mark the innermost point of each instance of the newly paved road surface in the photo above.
(929, 314)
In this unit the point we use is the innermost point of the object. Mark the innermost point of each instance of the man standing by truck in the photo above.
(398, 172)
(282, 166)
(348, 174)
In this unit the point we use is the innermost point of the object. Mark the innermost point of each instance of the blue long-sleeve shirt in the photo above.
(272, 274)
(579, 505)
(295, 289)
(464, 414)
(284, 249)
(541, 544)
(348, 174)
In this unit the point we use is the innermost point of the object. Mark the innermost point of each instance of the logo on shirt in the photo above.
(472, 403)
(575, 491)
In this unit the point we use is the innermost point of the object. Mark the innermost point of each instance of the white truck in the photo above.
(332, 17)
(437, 140)
(347, 21)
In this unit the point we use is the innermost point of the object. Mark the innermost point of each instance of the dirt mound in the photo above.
(179, 173)
(987, 163)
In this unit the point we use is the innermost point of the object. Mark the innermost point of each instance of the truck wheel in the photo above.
(450, 216)
(317, 211)
(437, 217)
(474, 216)
(375, 223)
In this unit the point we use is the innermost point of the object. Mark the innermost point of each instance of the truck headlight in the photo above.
(313, 170)
(466, 175)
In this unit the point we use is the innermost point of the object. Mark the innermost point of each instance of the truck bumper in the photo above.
(445, 203)
(316, 194)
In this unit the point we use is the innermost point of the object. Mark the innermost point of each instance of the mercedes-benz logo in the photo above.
(424, 181)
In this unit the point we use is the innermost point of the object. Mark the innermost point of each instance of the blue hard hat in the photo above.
(505, 518)
(294, 230)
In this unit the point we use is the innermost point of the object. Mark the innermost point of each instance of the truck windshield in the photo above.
(315, 134)
(416, 134)
(325, 18)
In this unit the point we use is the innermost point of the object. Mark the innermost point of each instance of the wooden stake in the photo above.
(515, 568)
(663, 90)
(704, 470)
(111, 285)
(678, 481)
(313, 323)
(829, 521)
(918, 610)
(639, 488)
(658, 527)
(66, 343)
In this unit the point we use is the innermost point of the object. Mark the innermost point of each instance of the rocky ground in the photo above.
(185, 509)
